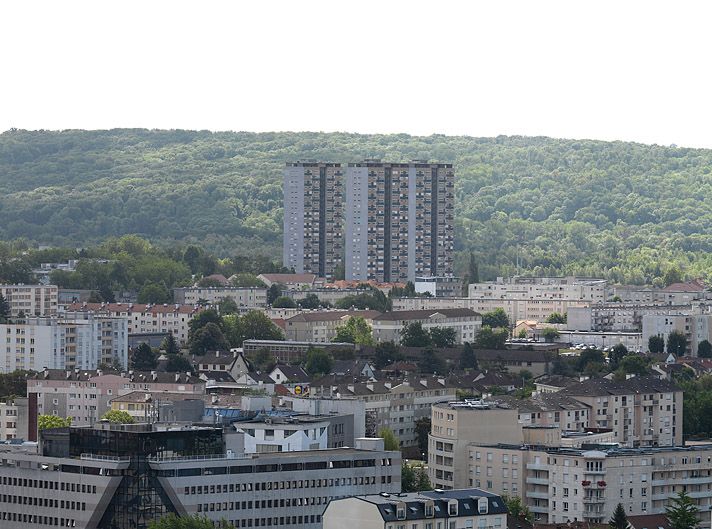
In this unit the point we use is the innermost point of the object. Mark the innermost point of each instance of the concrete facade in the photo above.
(246, 298)
(467, 323)
(32, 300)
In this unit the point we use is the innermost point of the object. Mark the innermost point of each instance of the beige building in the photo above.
(313, 218)
(13, 418)
(641, 411)
(541, 288)
(320, 326)
(32, 300)
(145, 319)
(246, 298)
(388, 326)
(693, 324)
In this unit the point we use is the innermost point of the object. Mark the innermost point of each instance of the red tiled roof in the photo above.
(289, 278)
(684, 287)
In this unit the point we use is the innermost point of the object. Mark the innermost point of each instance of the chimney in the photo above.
(98, 372)
(45, 372)
(424, 382)
(69, 374)
(177, 377)
(217, 354)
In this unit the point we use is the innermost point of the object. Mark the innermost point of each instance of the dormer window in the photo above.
(482, 505)
(452, 508)
(429, 510)
(400, 511)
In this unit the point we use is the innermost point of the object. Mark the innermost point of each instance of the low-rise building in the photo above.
(387, 327)
(439, 509)
(541, 288)
(612, 317)
(674, 294)
(632, 340)
(289, 351)
(173, 319)
(246, 298)
(439, 286)
(290, 281)
(321, 325)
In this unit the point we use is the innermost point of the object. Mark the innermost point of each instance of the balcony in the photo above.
(537, 481)
(587, 500)
(538, 495)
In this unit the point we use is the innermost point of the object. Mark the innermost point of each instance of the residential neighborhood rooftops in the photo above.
(604, 386)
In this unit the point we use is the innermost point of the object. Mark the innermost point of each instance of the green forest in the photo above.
(625, 211)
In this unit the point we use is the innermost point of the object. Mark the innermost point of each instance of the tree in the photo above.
(496, 318)
(656, 344)
(704, 349)
(443, 336)
(170, 344)
(488, 338)
(143, 358)
(318, 362)
(633, 364)
(468, 360)
(550, 334)
(423, 481)
(263, 360)
(273, 292)
(590, 361)
(390, 441)
(556, 317)
(682, 513)
(257, 326)
(422, 430)
(356, 330)
(14, 384)
(227, 306)
(408, 478)
(619, 520)
(284, 302)
(173, 521)
(413, 335)
(672, 275)
(431, 362)
(677, 343)
(5, 310)
(118, 417)
(202, 318)
(616, 355)
(207, 338)
(178, 364)
(517, 508)
(44, 422)
(155, 293)
(311, 301)
(386, 353)
(473, 271)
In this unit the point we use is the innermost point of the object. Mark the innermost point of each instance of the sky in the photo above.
(623, 70)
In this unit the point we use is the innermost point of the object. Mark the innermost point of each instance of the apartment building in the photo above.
(31, 300)
(85, 395)
(694, 325)
(394, 405)
(320, 326)
(313, 218)
(609, 317)
(439, 286)
(389, 325)
(565, 288)
(600, 339)
(146, 319)
(13, 418)
(641, 411)
(517, 309)
(246, 298)
(439, 509)
(291, 281)
(126, 476)
(81, 341)
(675, 294)
(399, 220)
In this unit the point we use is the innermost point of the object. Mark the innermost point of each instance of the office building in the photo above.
(399, 220)
(313, 218)
(125, 476)
(438, 509)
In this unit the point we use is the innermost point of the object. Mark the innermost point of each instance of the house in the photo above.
(291, 281)
(256, 381)
(649, 521)
(353, 368)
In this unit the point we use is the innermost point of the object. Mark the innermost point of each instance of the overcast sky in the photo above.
(606, 70)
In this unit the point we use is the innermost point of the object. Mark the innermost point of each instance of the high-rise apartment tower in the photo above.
(396, 222)
(313, 218)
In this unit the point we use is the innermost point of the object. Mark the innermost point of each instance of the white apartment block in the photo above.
(31, 300)
(246, 298)
(467, 323)
(695, 326)
(517, 309)
(63, 343)
(541, 288)
(612, 317)
(13, 418)
(266, 437)
(145, 319)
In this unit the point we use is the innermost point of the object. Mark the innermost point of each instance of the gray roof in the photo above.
(425, 314)
(594, 387)
(544, 402)
(332, 315)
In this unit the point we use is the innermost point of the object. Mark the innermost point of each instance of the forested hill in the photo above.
(624, 210)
